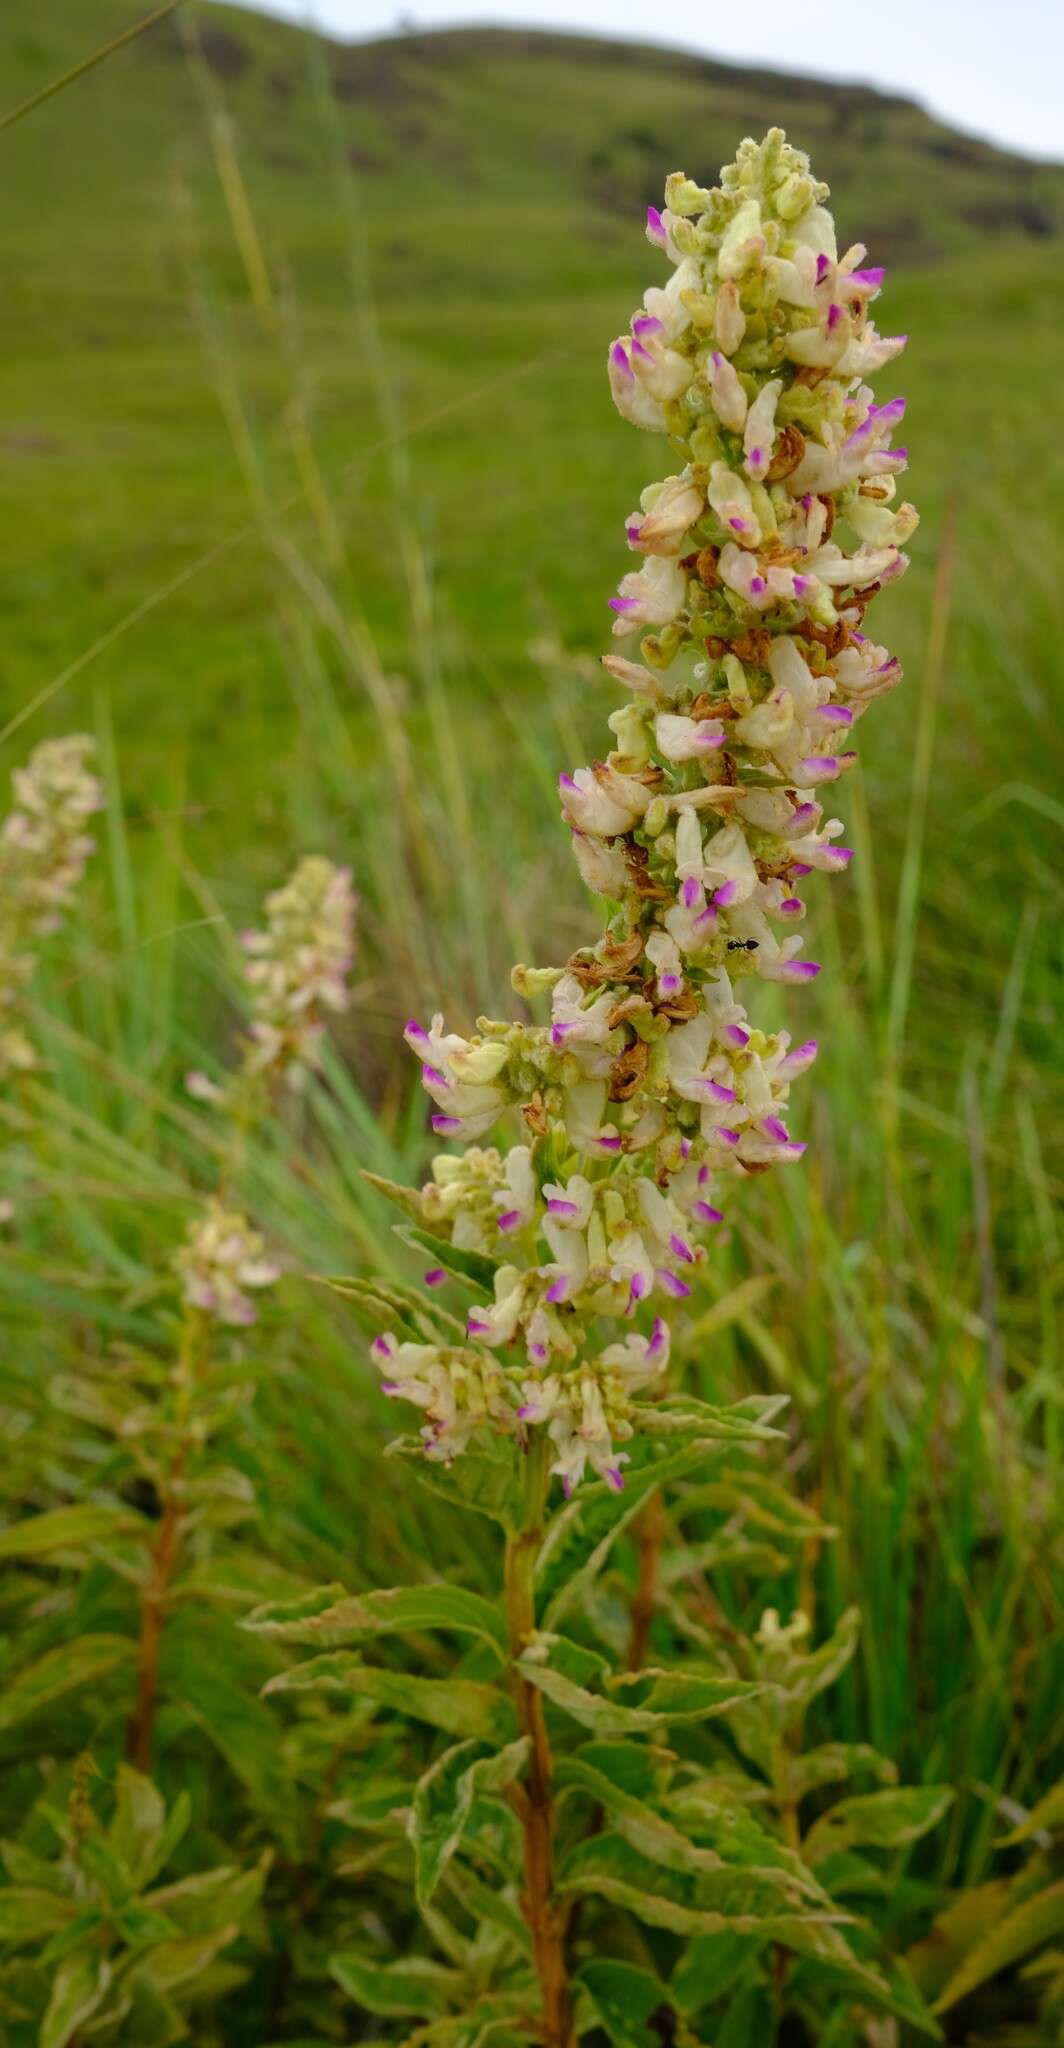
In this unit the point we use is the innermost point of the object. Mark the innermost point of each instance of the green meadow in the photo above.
(313, 497)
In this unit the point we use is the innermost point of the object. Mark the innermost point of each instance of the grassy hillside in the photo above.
(232, 252)
(313, 496)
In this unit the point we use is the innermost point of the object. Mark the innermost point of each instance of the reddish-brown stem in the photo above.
(535, 1808)
(165, 1552)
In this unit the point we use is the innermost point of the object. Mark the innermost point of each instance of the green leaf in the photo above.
(970, 1916)
(148, 2016)
(634, 1767)
(139, 1821)
(444, 1800)
(712, 1967)
(27, 1913)
(484, 1478)
(656, 1836)
(809, 1673)
(141, 1928)
(833, 1762)
(687, 1902)
(71, 1528)
(406, 1199)
(393, 1306)
(489, 1904)
(79, 1988)
(416, 1986)
(626, 1999)
(71, 1667)
(211, 1899)
(1035, 1921)
(460, 1706)
(330, 1616)
(664, 1696)
(478, 2027)
(878, 1820)
(760, 1499)
(79, 1933)
(582, 1534)
(682, 1415)
(1047, 1817)
(824, 1950)
(241, 1728)
(472, 1267)
(174, 1963)
(577, 1544)
(24, 1868)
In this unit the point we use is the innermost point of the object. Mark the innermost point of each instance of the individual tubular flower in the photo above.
(220, 1264)
(297, 967)
(651, 1089)
(44, 848)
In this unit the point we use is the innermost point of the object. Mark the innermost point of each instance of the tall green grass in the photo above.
(399, 683)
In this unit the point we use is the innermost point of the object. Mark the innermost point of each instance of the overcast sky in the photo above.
(993, 67)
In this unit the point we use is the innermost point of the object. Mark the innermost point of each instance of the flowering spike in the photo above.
(649, 1082)
(44, 848)
(297, 969)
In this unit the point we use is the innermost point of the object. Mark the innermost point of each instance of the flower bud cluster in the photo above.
(221, 1259)
(297, 968)
(651, 1085)
(44, 848)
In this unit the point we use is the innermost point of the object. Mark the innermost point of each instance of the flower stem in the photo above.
(165, 1552)
(546, 1923)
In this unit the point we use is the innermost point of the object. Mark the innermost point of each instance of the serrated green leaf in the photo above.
(878, 1820)
(331, 1616)
(70, 1667)
(664, 1696)
(444, 1800)
(460, 1706)
(1036, 1920)
(79, 1988)
(687, 1902)
(70, 1528)
(740, 1842)
(626, 2000)
(581, 1535)
(484, 1479)
(397, 1990)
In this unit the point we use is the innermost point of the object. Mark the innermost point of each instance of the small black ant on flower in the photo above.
(742, 945)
